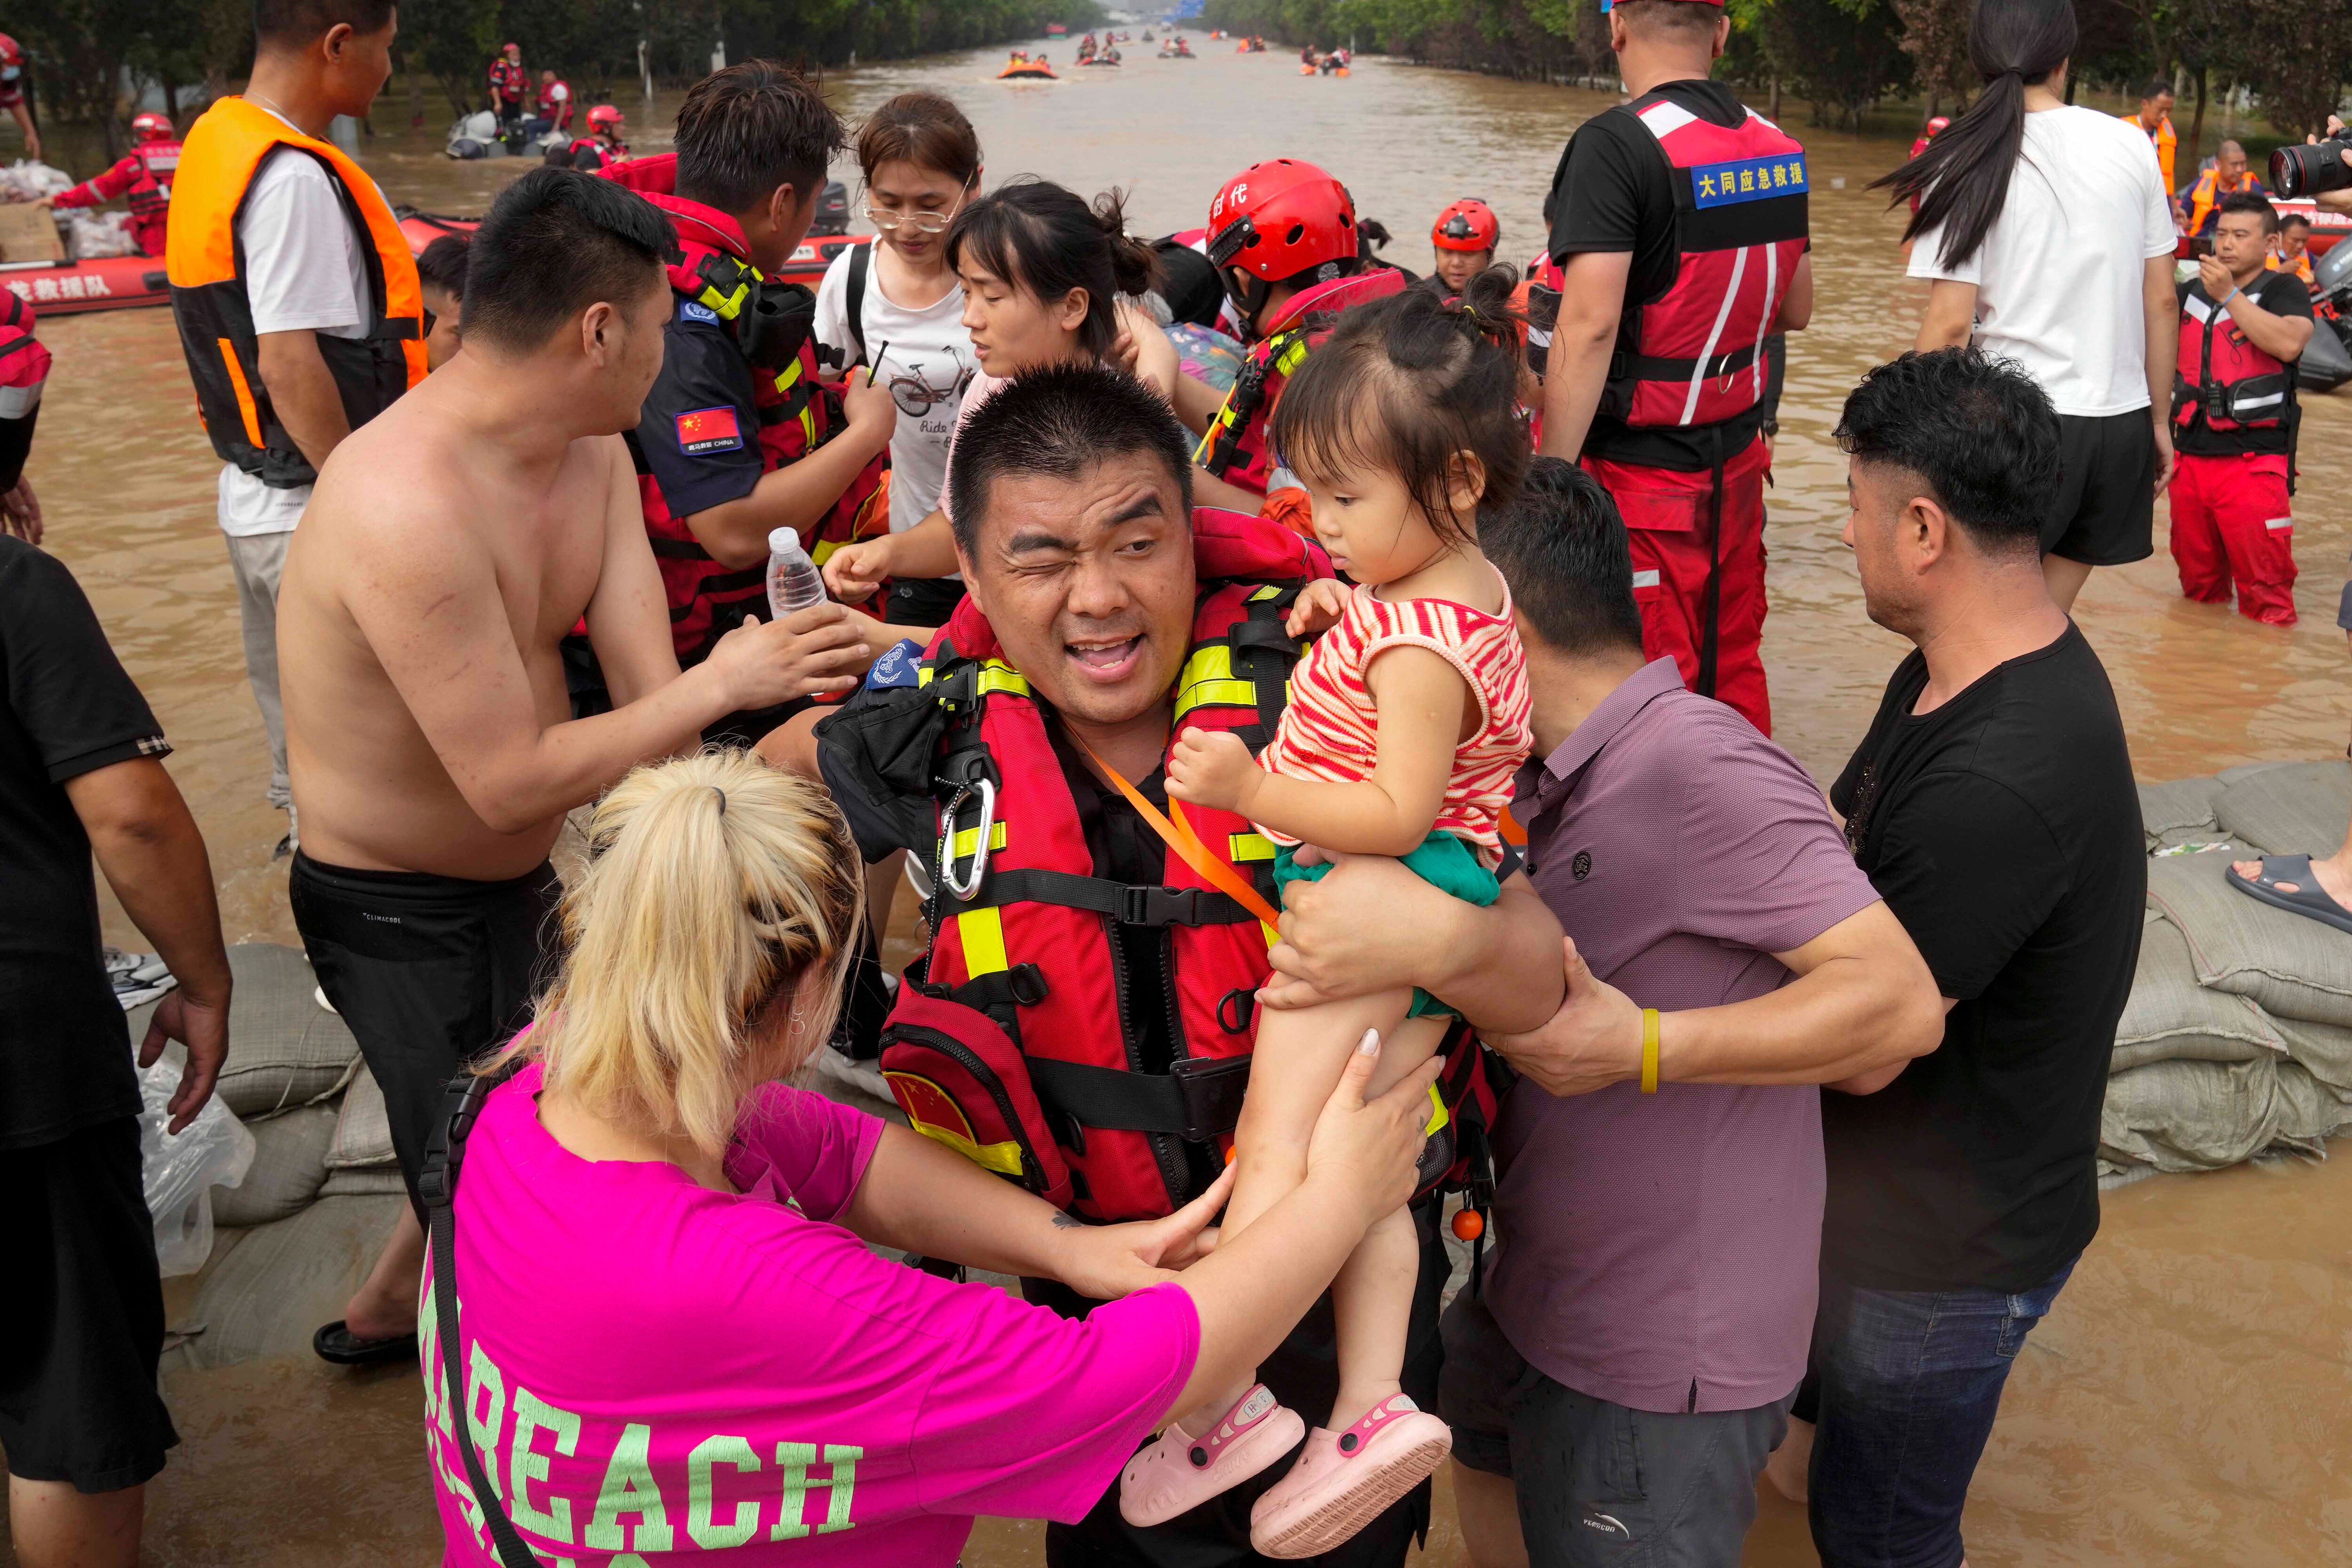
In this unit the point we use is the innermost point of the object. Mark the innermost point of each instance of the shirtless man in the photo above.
(451, 542)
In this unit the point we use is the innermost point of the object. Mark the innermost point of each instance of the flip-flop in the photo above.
(336, 1343)
(2308, 898)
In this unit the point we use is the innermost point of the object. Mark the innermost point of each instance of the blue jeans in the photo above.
(1909, 1383)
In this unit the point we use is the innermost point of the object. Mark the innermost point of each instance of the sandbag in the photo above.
(289, 1166)
(2310, 1113)
(364, 1180)
(2296, 809)
(2190, 1116)
(2324, 1050)
(284, 1049)
(2173, 813)
(270, 1293)
(2288, 966)
(363, 1132)
(2171, 1017)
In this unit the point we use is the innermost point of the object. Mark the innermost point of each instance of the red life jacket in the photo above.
(1236, 447)
(506, 80)
(1691, 356)
(2223, 376)
(1011, 1041)
(707, 599)
(150, 198)
(547, 106)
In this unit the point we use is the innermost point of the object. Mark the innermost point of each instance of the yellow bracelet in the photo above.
(1648, 1050)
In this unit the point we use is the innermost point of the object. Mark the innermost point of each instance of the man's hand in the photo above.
(853, 572)
(20, 512)
(865, 403)
(1105, 1262)
(2164, 456)
(1317, 608)
(1214, 768)
(1328, 952)
(203, 1028)
(2218, 283)
(808, 653)
(1594, 1040)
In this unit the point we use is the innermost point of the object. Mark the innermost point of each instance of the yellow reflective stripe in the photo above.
(1268, 592)
(1209, 661)
(982, 932)
(967, 840)
(1249, 847)
(791, 372)
(1290, 357)
(1216, 694)
(1438, 1116)
(808, 425)
(998, 676)
(726, 305)
(924, 675)
(822, 549)
(1004, 1159)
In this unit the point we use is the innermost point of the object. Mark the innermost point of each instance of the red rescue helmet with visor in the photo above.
(1940, 123)
(604, 116)
(1281, 221)
(152, 127)
(1469, 224)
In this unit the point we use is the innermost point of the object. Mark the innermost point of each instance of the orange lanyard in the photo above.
(1180, 837)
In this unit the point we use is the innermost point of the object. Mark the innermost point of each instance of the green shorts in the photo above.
(1443, 861)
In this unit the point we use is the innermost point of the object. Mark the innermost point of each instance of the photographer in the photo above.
(2050, 226)
(2233, 413)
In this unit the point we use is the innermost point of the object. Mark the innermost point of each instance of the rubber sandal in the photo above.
(1343, 1482)
(336, 1343)
(2308, 898)
(1183, 1470)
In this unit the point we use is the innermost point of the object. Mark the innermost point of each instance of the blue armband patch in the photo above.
(1748, 179)
(898, 666)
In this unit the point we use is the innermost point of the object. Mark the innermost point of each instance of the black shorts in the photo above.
(1304, 1373)
(1599, 1483)
(81, 1322)
(2105, 512)
(429, 972)
(923, 601)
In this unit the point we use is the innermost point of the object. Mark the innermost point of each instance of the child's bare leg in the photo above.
(1371, 1299)
(1298, 1058)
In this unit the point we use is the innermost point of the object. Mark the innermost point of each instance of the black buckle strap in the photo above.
(1198, 1098)
(1098, 895)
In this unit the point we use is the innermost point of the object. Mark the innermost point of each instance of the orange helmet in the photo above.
(151, 127)
(1469, 224)
(604, 116)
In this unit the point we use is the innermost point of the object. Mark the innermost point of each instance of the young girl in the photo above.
(1042, 272)
(895, 307)
(1407, 721)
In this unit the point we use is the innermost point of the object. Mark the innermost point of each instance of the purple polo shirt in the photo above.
(1659, 1251)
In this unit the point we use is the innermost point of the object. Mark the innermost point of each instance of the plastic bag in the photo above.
(27, 181)
(180, 1172)
(89, 236)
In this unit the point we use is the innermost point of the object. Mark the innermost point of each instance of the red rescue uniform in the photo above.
(143, 179)
(23, 372)
(2234, 417)
(507, 84)
(555, 104)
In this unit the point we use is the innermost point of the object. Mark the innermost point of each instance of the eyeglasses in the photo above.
(890, 219)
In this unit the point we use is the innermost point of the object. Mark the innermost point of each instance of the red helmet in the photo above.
(11, 56)
(1469, 224)
(604, 115)
(511, 48)
(1280, 218)
(1939, 124)
(152, 127)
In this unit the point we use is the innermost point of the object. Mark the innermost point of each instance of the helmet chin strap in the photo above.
(1247, 291)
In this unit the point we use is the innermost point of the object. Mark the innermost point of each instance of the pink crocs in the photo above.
(1185, 1469)
(1341, 1484)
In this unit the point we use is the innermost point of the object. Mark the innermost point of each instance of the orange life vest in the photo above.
(224, 151)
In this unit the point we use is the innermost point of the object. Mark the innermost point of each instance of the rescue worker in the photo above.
(2290, 251)
(554, 107)
(1464, 238)
(601, 146)
(142, 178)
(2234, 416)
(2226, 175)
(736, 439)
(12, 95)
(1283, 237)
(2154, 117)
(23, 372)
(1083, 1020)
(1935, 126)
(1678, 226)
(508, 82)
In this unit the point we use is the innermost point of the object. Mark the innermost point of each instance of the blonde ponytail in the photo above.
(717, 887)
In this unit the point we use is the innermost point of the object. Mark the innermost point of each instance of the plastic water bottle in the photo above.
(794, 580)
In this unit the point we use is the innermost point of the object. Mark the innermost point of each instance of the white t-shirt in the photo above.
(302, 269)
(927, 352)
(2059, 276)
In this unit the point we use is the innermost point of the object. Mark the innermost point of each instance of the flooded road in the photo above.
(2183, 1404)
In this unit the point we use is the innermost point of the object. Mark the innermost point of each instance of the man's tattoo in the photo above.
(1066, 1221)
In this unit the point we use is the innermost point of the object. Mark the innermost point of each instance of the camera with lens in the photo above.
(2306, 169)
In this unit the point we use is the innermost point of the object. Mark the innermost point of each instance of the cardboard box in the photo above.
(29, 233)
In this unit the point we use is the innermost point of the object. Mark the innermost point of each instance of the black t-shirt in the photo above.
(1613, 191)
(698, 433)
(66, 709)
(2003, 830)
(2280, 293)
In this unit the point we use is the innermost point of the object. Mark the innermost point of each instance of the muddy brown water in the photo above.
(2183, 1402)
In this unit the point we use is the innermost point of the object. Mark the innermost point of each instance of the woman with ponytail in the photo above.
(676, 1330)
(2046, 234)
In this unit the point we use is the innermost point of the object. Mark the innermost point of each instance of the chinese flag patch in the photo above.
(709, 430)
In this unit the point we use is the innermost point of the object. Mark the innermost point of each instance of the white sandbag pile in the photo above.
(294, 1238)
(2238, 1037)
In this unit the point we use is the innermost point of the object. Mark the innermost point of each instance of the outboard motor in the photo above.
(832, 209)
(2327, 362)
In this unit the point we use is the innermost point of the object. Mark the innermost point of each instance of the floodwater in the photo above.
(2182, 1404)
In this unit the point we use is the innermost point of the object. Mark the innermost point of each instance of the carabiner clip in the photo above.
(966, 889)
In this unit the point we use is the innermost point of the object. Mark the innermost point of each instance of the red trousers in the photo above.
(1669, 524)
(2231, 520)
